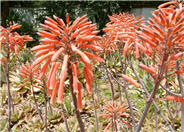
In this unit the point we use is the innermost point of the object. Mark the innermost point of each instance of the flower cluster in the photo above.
(115, 112)
(107, 43)
(123, 28)
(30, 74)
(12, 40)
(65, 45)
(163, 37)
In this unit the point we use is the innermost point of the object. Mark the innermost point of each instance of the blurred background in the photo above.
(30, 14)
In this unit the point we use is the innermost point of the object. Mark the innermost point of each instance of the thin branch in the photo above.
(123, 85)
(64, 118)
(169, 107)
(109, 78)
(45, 96)
(147, 93)
(182, 92)
(8, 89)
(171, 93)
(120, 95)
(98, 96)
(95, 112)
(50, 107)
(119, 89)
(110, 81)
(124, 68)
(151, 97)
(128, 100)
(35, 102)
(156, 120)
(168, 91)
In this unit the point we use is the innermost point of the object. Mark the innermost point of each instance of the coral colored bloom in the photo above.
(30, 73)
(163, 36)
(137, 85)
(122, 29)
(12, 40)
(66, 43)
(179, 99)
(115, 112)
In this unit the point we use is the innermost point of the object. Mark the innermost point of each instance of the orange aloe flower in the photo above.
(122, 28)
(163, 37)
(30, 73)
(115, 113)
(137, 85)
(107, 43)
(65, 44)
(12, 40)
(179, 99)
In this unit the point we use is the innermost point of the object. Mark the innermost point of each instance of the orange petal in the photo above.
(67, 18)
(54, 92)
(57, 54)
(179, 99)
(44, 68)
(60, 21)
(56, 32)
(166, 4)
(93, 47)
(53, 76)
(150, 70)
(126, 47)
(50, 74)
(51, 20)
(41, 47)
(55, 27)
(131, 81)
(128, 125)
(176, 56)
(88, 81)
(75, 79)
(90, 55)
(42, 52)
(42, 58)
(62, 78)
(83, 56)
(79, 98)
(46, 34)
(15, 26)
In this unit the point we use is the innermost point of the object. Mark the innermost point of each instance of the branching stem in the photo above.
(182, 92)
(154, 103)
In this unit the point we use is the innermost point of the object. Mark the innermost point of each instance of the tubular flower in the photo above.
(65, 43)
(30, 73)
(137, 85)
(123, 28)
(12, 40)
(163, 36)
(150, 70)
(107, 43)
(115, 112)
(179, 99)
